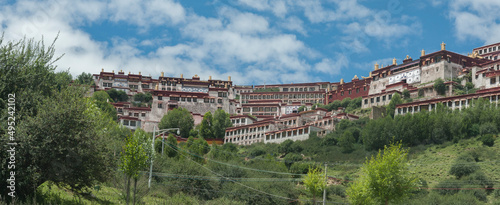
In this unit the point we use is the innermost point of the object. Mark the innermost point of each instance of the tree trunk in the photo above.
(135, 190)
(127, 189)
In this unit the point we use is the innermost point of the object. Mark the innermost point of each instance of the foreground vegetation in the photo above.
(72, 151)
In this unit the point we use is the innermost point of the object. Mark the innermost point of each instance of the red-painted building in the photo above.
(354, 89)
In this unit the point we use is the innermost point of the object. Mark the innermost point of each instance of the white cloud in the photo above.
(477, 19)
(332, 66)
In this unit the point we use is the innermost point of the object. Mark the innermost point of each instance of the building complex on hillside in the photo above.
(270, 113)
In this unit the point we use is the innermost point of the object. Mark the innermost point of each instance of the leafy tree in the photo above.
(315, 182)
(346, 142)
(133, 159)
(291, 158)
(406, 94)
(285, 147)
(463, 166)
(178, 118)
(143, 97)
(206, 126)
(488, 140)
(221, 121)
(84, 79)
(62, 79)
(439, 86)
(171, 146)
(102, 100)
(391, 108)
(384, 178)
(117, 95)
(65, 143)
(301, 108)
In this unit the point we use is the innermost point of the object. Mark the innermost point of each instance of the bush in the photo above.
(488, 140)
(475, 190)
(488, 128)
(338, 190)
(463, 166)
(448, 187)
(439, 86)
(496, 193)
(478, 178)
(257, 151)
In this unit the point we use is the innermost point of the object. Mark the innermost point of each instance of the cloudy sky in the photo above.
(254, 41)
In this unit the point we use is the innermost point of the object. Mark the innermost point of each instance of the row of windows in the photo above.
(487, 50)
(137, 114)
(384, 98)
(286, 134)
(247, 130)
(237, 121)
(281, 96)
(298, 89)
(129, 123)
(350, 91)
(107, 85)
(246, 137)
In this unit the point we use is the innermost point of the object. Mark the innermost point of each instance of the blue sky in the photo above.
(254, 41)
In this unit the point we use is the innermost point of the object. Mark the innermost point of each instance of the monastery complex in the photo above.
(269, 113)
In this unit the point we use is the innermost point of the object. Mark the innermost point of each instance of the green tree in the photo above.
(391, 108)
(206, 126)
(383, 179)
(221, 121)
(171, 146)
(285, 147)
(133, 159)
(464, 165)
(102, 100)
(178, 118)
(117, 96)
(301, 108)
(315, 182)
(291, 158)
(439, 86)
(346, 142)
(406, 94)
(84, 79)
(62, 79)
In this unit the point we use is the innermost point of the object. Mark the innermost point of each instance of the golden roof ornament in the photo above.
(394, 61)
(376, 66)
(156, 87)
(342, 81)
(443, 46)
(355, 77)
(422, 53)
(407, 57)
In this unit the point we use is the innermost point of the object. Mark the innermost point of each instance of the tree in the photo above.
(62, 79)
(206, 126)
(464, 165)
(221, 121)
(64, 143)
(285, 146)
(406, 94)
(302, 108)
(133, 159)
(384, 178)
(117, 96)
(291, 158)
(391, 108)
(439, 86)
(315, 182)
(346, 142)
(102, 100)
(171, 146)
(178, 118)
(84, 79)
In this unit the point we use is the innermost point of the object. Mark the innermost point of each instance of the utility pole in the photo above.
(326, 183)
(151, 167)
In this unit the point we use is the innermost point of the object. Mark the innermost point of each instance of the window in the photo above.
(480, 51)
(125, 122)
(136, 114)
(132, 123)
(390, 96)
(188, 99)
(357, 90)
(350, 92)
(174, 98)
(364, 88)
(371, 100)
(285, 89)
(146, 86)
(195, 99)
(160, 97)
(183, 99)
(219, 101)
(162, 88)
(493, 80)
(143, 114)
(378, 99)
(342, 93)
(366, 101)
(160, 105)
(129, 114)
(383, 98)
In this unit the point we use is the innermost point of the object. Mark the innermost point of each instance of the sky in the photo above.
(253, 41)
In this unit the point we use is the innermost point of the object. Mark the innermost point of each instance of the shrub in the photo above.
(478, 178)
(488, 128)
(257, 151)
(338, 190)
(488, 140)
(448, 187)
(463, 166)
(496, 193)
(475, 191)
